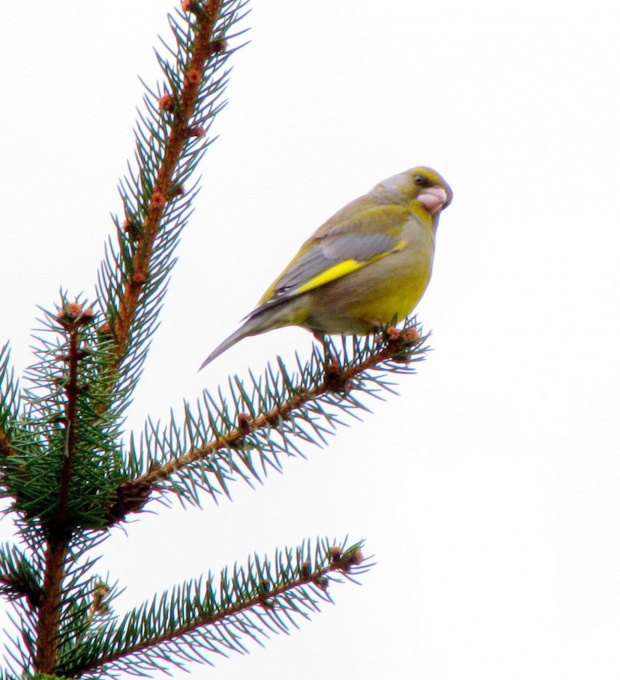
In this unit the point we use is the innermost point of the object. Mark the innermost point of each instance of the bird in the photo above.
(366, 267)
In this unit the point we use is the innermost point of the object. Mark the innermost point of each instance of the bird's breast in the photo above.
(386, 288)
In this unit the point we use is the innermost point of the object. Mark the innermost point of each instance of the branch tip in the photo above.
(345, 561)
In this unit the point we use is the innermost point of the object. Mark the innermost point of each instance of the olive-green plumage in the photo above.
(367, 264)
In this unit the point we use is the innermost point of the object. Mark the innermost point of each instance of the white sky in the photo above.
(489, 491)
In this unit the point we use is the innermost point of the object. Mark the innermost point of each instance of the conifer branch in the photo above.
(215, 443)
(182, 106)
(71, 319)
(171, 137)
(199, 619)
(66, 462)
(337, 380)
(18, 579)
(9, 401)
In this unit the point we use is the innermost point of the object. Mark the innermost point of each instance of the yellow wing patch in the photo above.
(342, 269)
(337, 271)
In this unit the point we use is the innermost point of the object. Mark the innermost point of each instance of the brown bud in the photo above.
(100, 591)
(322, 582)
(194, 75)
(158, 200)
(333, 369)
(393, 334)
(243, 421)
(73, 309)
(195, 131)
(410, 335)
(274, 420)
(132, 228)
(335, 379)
(335, 552)
(139, 278)
(166, 103)
(176, 190)
(398, 343)
(190, 6)
(219, 46)
(357, 557)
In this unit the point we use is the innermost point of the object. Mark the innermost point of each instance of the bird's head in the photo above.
(420, 184)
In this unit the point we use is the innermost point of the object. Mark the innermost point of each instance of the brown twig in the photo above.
(71, 318)
(163, 190)
(49, 611)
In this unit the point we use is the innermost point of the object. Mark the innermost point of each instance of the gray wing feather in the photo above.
(329, 251)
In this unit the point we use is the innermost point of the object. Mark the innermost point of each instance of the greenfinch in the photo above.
(366, 266)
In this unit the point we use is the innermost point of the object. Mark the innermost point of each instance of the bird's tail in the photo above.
(239, 334)
(259, 321)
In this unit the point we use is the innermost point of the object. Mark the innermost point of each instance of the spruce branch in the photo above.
(61, 441)
(18, 579)
(219, 440)
(171, 138)
(9, 400)
(200, 618)
(72, 318)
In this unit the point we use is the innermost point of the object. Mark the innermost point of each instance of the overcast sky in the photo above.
(488, 492)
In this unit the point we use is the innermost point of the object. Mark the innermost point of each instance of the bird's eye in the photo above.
(419, 180)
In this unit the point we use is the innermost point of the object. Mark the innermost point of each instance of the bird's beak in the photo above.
(433, 198)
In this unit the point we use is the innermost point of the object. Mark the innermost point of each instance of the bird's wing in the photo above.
(332, 257)
(335, 252)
